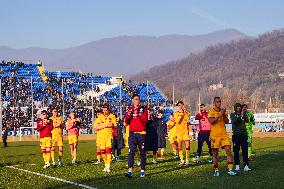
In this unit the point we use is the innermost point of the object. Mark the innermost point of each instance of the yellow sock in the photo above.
(47, 157)
(99, 157)
(104, 157)
(60, 153)
(109, 157)
(52, 153)
(130, 170)
(187, 155)
(180, 155)
(44, 159)
(230, 166)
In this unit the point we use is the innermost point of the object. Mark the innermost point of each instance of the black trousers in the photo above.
(240, 141)
(203, 136)
(115, 146)
(136, 140)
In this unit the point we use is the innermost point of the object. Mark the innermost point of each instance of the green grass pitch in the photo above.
(268, 169)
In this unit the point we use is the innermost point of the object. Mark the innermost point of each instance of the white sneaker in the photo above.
(46, 166)
(53, 163)
(181, 162)
(60, 162)
(237, 168)
(138, 163)
(97, 162)
(232, 173)
(74, 160)
(107, 169)
(154, 161)
(246, 168)
(210, 160)
(197, 160)
(186, 162)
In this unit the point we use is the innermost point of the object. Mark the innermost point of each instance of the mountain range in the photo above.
(125, 55)
(250, 70)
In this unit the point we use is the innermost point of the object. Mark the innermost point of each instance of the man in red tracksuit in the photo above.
(44, 127)
(136, 117)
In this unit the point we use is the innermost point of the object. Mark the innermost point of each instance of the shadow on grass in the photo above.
(266, 173)
(22, 155)
(22, 145)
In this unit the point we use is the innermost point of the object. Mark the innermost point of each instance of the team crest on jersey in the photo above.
(141, 110)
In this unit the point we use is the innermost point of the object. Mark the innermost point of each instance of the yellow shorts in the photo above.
(217, 142)
(181, 137)
(73, 139)
(98, 139)
(57, 140)
(172, 137)
(105, 143)
(45, 142)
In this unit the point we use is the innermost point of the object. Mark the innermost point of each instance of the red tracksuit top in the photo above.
(45, 131)
(136, 119)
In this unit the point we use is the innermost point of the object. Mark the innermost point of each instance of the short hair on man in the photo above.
(106, 105)
(43, 112)
(135, 95)
(217, 97)
(179, 102)
(202, 105)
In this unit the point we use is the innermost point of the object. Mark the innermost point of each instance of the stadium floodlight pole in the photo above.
(62, 92)
(1, 107)
(199, 96)
(147, 88)
(93, 111)
(173, 94)
(32, 105)
(120, 100)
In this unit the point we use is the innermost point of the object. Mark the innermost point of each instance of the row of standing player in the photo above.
(212, 129)
(136, 118)
(51, 136)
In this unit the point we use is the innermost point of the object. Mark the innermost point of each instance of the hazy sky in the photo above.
(66, 23)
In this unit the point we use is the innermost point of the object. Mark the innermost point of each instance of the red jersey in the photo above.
(44, 128)
(114, 131)
(204, 125)
(137, 119)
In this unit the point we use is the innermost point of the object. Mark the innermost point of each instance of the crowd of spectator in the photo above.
(22, 85)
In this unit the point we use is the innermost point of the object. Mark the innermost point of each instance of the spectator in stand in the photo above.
(4, 136)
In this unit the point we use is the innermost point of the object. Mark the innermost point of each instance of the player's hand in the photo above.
(223, 111)
(127, 109)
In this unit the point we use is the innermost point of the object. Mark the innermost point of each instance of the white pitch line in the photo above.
(50, 177)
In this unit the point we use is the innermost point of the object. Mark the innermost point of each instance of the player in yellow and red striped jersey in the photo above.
(218, 118)
(57, 136)
(98, 137)
(106, 122)
(44, 127)
(181, 119)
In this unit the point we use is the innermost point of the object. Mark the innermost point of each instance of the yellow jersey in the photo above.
(172, 131)
(103, 120)
(99, 132)
(218, 129)
(57, 123)
(181, 119)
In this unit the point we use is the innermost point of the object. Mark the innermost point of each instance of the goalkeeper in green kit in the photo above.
(249, 122)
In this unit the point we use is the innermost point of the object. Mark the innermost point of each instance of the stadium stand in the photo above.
(26, 84)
